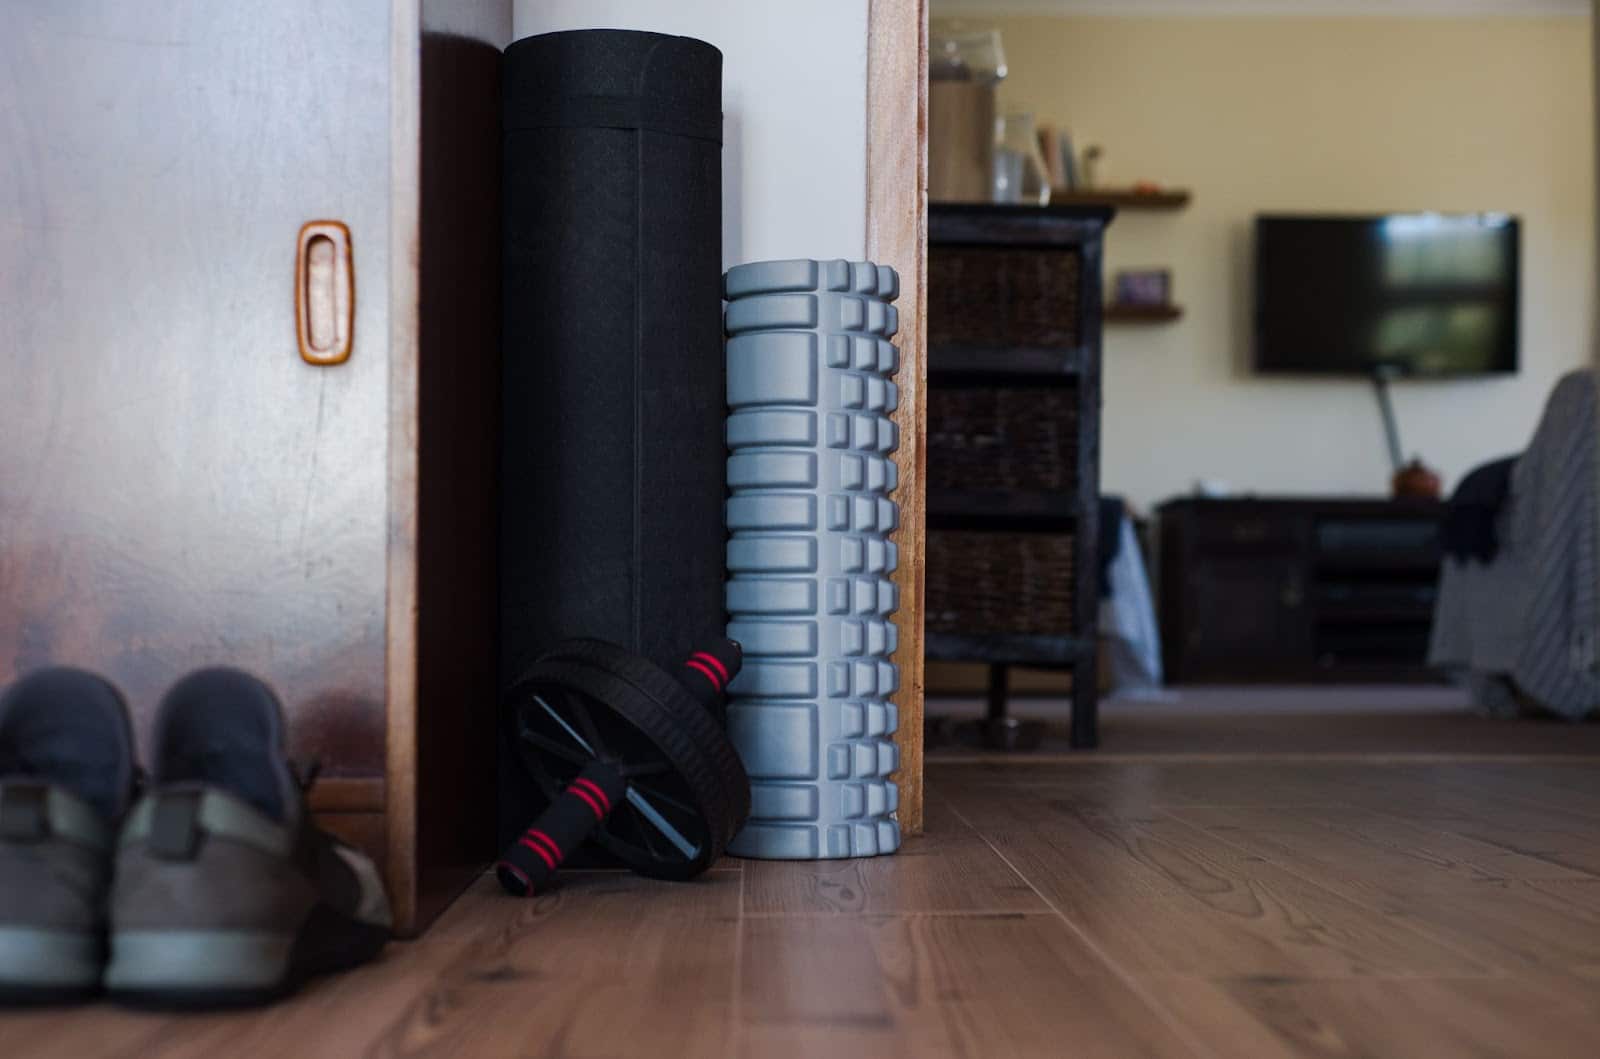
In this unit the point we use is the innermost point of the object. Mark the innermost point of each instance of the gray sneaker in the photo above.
(66, 777)
(226, 893)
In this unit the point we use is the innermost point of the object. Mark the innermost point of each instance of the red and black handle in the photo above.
(706, 674)
(530, 864)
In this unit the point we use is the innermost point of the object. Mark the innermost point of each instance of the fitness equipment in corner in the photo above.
(810, 395)
(612, 381)
(628, 757)
(612, 373)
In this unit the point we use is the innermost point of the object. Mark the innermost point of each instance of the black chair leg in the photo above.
(999, 688)
(1086, 703)
(1000, 730)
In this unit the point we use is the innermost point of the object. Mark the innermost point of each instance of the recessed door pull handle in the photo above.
(324, 293)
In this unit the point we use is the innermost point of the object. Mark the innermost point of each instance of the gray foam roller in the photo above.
(810, 473)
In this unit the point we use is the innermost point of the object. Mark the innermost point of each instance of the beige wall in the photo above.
(1312, 114)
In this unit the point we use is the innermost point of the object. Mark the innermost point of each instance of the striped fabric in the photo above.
(1532, 614)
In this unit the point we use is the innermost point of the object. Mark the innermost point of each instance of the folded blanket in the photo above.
(1532, 614)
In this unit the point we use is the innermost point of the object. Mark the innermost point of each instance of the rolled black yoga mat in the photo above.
(613, 462)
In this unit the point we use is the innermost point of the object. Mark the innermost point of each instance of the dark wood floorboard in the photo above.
(1324, 720)
(1366, 906)
(957, 872)
(1003, 984)
(1504, 920)
(1415, 1018)
(1157, 896)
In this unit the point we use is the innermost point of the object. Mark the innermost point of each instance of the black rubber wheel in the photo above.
(705, 730)
(688, 793)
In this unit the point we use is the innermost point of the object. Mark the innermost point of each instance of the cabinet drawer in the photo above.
(1382, 536)
(1247, 534)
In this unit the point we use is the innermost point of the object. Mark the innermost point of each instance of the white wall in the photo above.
(794, 91)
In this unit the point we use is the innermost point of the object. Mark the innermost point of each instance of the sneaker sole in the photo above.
(188, 969)
(43, 966)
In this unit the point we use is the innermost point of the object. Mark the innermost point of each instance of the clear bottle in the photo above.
(1020, 174)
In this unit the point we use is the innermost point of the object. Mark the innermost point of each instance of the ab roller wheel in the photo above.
(628, 757)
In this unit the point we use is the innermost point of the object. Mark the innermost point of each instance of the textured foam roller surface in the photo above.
(612, 467)
(810, 474)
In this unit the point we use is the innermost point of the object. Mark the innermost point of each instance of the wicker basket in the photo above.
(998, 297)
(980, 582)
(1014, 438)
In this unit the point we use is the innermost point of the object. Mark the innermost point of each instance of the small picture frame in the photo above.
(1144, 286)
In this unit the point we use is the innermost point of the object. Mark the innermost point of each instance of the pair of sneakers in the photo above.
(209, 885)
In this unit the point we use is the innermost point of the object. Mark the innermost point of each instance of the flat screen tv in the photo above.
(1419, 294)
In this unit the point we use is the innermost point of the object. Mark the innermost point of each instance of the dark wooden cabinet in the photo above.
(180, 485)
(1014, 443)
(1297, 589)
(1258, 608)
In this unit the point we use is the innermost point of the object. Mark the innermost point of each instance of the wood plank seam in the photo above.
(1280, 863)
(1137, 985)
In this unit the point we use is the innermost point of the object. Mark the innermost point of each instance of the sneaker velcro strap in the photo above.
(31, 811)
(207, 811)
(175, 825)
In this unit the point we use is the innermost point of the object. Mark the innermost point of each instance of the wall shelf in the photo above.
(1141, 314)
(1123, 198)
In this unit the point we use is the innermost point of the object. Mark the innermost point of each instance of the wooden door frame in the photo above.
(897, 235)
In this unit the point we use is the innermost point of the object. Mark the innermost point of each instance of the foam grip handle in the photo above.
(529, 865)
(707, 672)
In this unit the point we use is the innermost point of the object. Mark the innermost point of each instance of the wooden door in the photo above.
(177, 486)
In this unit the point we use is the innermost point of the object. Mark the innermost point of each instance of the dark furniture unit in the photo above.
(1300, 590)
(1014, 314)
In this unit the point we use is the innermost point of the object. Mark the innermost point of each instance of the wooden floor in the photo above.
(1095, 907)
(1324, 721)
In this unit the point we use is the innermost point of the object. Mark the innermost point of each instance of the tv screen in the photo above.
(1413, 293)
